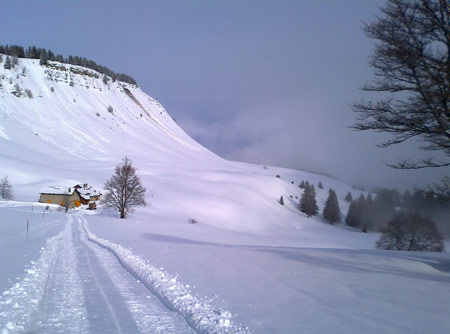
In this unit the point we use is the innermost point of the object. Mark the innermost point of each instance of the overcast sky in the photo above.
(268, 82)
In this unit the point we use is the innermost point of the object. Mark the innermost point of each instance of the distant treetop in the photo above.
(38, 53)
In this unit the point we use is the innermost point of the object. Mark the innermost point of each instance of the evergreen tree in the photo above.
(43, 58)
(302, 185)
(331, 212)
(354, 215)
(281, 201)
(308, 204)
(320, 185)
(349, 197)
(7, 65)
(6, 189)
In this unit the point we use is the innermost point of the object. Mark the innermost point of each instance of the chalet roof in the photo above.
(85, 196)
(54, 190)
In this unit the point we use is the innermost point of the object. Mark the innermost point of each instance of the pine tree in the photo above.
(354, 215)
(308, 204)
(302, 185)
(349, 197)
(6, 189)
(43, 58)
(331, 212)
(281, 201)
(320, 186)
(7, 65)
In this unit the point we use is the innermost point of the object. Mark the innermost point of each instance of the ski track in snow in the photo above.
(82, 284)
(49, 295)
(198, 313)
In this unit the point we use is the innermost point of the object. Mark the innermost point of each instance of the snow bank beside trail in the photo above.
(21, 302)
(200, 315)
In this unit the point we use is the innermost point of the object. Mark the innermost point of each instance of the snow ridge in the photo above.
(201, 316)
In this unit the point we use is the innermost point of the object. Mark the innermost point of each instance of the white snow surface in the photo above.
(248, 265)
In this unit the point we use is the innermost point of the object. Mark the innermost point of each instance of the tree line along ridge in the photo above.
(44, 56)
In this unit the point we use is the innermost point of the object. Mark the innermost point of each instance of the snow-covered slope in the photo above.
(65, 134)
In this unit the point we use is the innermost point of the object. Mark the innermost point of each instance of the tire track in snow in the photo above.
(202, 317)
(148, 313)
(39, 302)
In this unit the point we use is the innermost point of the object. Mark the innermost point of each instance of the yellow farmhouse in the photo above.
(66, 197)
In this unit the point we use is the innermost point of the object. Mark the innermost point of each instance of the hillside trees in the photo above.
(5, 189)
(48, 55)
(43, 59)
(331, 211)
(412, 65)
(348, 197)
(308, 203)
(411, 232)
(124, 189)
(7, 65)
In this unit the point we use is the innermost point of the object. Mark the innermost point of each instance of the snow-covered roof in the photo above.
(54, 190)
(88, 192)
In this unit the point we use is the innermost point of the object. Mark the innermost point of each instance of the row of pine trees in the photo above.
(32, 52)
(308, 203)
(368, 214)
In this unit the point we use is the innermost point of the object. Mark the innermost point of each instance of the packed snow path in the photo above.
(80, 287)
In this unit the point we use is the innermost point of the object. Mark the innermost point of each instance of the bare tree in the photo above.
(124, 189)
(6, 189)
(412, 64)
(411, 232)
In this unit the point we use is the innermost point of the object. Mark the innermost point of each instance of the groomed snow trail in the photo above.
(77, 286)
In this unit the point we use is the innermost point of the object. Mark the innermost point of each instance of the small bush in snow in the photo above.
(192, 221)
(17, 90)
(281, 201)
(29, 93)
(52, 89)
(411, 232)
(278, 176)
(98, 114)
(110, 109)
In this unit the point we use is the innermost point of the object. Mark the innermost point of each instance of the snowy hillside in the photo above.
(250, 265)
(64, 134)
